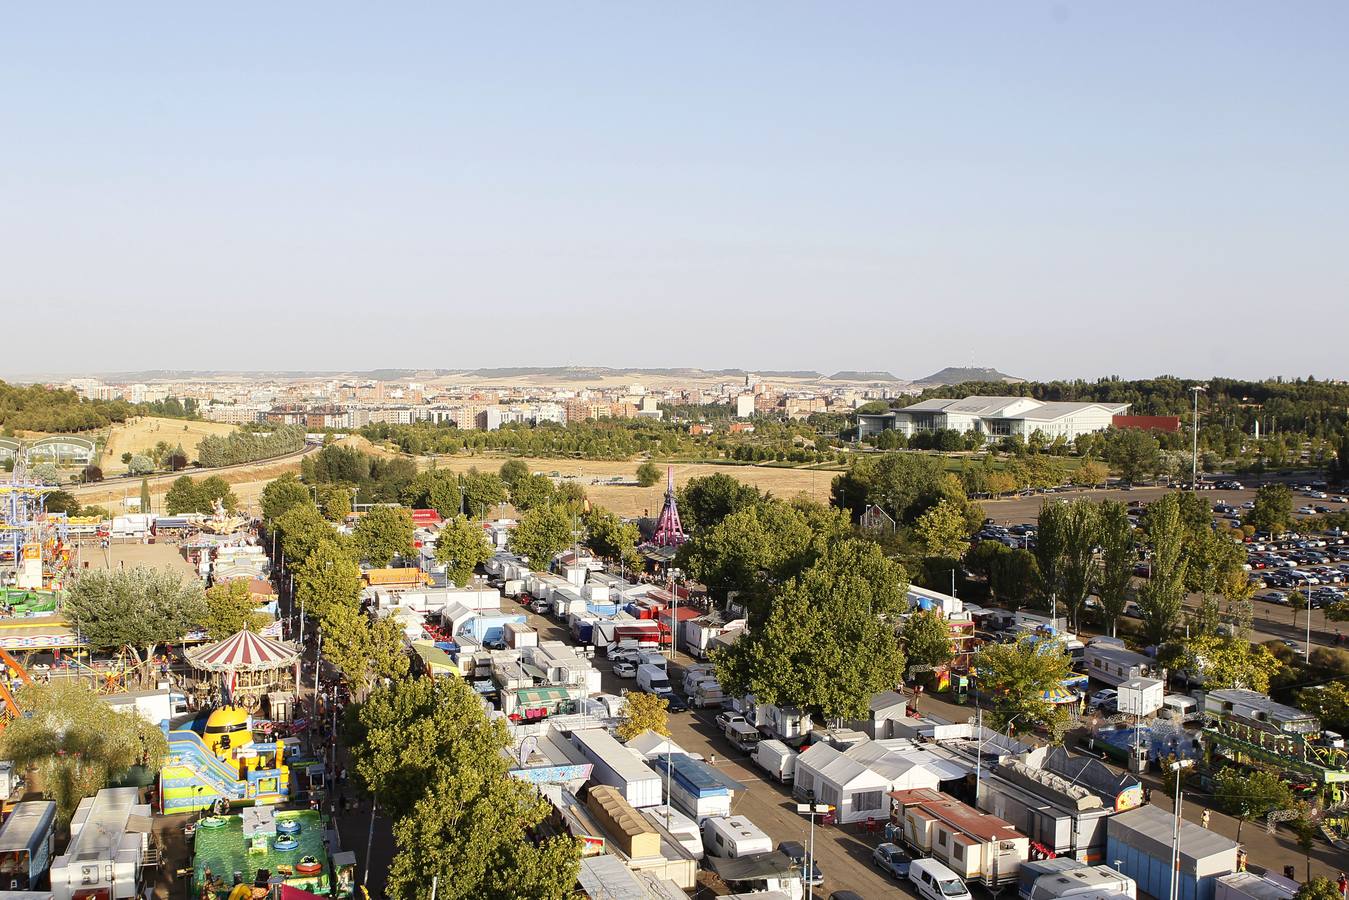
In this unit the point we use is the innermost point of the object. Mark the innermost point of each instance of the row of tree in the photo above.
(245, 446)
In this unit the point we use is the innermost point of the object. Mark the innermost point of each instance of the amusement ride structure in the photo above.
(33, 551)
(669, 531)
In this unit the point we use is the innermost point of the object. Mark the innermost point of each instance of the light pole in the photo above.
(1194, 463)
(1178, 766)
(1309, 619)
(979, 751)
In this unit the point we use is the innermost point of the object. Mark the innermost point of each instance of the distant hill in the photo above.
(961, 375)
(862, 376)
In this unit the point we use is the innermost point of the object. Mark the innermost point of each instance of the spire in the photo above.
(669, 531)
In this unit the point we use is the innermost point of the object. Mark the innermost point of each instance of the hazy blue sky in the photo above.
(1055, 189)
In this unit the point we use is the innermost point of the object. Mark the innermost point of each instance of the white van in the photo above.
(777, 759)
(653, 680)
(734, 836)
(936, 882)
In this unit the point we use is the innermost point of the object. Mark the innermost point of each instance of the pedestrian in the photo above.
(1203, 819)
(1343, 884)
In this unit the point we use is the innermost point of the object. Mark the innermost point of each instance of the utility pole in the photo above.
(1194, 463)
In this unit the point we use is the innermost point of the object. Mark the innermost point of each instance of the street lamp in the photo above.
(1178, 766)
(1194, 470)
(979, 751)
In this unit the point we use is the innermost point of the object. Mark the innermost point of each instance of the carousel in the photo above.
(247, 667)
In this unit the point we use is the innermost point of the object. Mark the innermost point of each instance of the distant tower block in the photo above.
(669, 531)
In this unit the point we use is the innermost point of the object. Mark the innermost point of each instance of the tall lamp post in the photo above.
(1178, 766)
(1194, 463)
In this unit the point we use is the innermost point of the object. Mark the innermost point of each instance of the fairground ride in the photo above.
(33, 551)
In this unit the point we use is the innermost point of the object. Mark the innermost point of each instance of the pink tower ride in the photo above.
(669, 532)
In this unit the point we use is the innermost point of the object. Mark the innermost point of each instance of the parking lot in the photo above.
(1273, 620)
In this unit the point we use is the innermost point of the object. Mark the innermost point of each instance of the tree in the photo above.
(942, 531)
(281, 495)
(215, 488)
(436, 489)
(482, 491)
(92, 474)
(704, 502)
(126, 457)
(541, 533)
(1273, 509)
(1051, 542)
(1250, 795)
(1081, 533)
(140, 465)
(648, 473)
(61, 502)
(1328, 702)
(1015, 574)
(183, 497)
(611, 538)
(1231, 663)
(1133, 452)
(643, 712)
(905, 485)
(327, 577)
(301, 528)
(1015, 677)
(145, 495)
(77, 743)
(436, 763)
(769, 541)
(334, 501)
(926, 639)
(135, 608)
(512, 471)
(363, 649)
(462, 547)
(532, 491)
(1091, 473)
(1118, 556)
(231, 608)
(1318, 888)
(827, 645)
(383, 533)
(1161, 596)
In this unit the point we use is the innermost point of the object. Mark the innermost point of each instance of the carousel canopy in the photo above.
(244, 652)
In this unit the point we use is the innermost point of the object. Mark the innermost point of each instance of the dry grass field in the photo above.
(144, 432)
(631, 500)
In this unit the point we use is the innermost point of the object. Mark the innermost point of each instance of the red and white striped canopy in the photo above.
(244, 652)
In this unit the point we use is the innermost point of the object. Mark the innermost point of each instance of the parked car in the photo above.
(1104, 700)
(892, 860)
(625, 669)
(1273, 597)
(797, 854)
(675, 703)
(727, 719)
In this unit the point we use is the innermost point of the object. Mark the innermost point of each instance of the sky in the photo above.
(1052, 189)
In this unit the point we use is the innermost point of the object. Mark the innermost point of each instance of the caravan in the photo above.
(733, 837)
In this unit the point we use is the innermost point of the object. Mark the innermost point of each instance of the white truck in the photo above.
(777, 759)
(653, 680)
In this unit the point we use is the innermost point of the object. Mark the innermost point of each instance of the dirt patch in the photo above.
(627, 499)
(144, 432)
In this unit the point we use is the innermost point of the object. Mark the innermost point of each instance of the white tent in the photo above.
(857, 781)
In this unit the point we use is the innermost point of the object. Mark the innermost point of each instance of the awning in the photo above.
(773, 864)
(529, 696)
(1059, 695)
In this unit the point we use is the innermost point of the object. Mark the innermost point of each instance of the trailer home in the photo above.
(617, 766)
